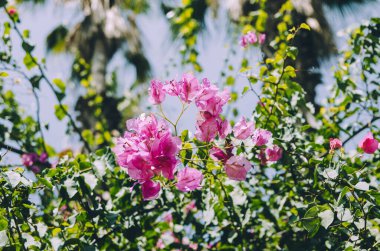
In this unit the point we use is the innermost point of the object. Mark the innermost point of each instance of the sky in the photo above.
(41, 19)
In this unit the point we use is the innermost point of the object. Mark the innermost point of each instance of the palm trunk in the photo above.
(99, 66)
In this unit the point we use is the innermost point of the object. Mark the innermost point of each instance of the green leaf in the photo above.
(3, 223)
(289, 37)
(292, 52)
(311, 221)
(3, 74)
(46, 182)
(29, 62)
(344, 191)
(60, 111)
(60, 84)
(27, 47)
(230, 80)
(290, 71)
(246, 88)
(305, 26)
(35, 81)
(29, 206)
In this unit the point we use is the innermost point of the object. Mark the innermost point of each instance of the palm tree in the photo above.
(108, 27)
(313, 46)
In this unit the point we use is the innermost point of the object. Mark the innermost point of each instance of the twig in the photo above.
(43, 76)
(11, 148)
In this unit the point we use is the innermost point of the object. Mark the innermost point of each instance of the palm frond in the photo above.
(56, 40)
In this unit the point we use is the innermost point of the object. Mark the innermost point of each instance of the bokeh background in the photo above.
(154, 39)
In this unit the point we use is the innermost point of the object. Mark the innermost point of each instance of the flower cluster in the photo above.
(148, 149)
(252, 39)
(35, 162)
(368, 144)
(207, 97)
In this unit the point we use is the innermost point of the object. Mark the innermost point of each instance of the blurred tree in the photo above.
(106, 28)
(316, 45)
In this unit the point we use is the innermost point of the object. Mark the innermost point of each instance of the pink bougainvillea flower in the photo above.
(163, 155)
(243, 129)
(193, 246)
(189, 87)
(261, 137)
(190, 207)
(156, 92)
(172, 88)
(168, 217)
(335, 143)
(206, 129)
(189, 179)
(273, 153)
(237, 168)
(150, 189)
(262, 38)
(147, 127)
(139, 167)
(251, 37)
(28, 159)
(369, 144)
(160, 244)
(210, 100)
(206, 92)
(243, 41)
(218, 155)
(43, 157)
(224, 128)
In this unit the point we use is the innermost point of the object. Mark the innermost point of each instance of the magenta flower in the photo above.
(262, 38)
(243, 41)
(237, 168)
(172, 88)
(28, 159)
(43, 157)
(206, 129)
(369, 144)
(168, 217)
(210, 100)
(150, 189)
(190, 207)
(163, 155)
(218, 155)
(189, 179)
(156, 92)
(243, 129)
(224, 128)
(261, 137)
(189, 87)
(146, 150)
(251, 37)
(273, 153)
(139, 167)
(335, 143)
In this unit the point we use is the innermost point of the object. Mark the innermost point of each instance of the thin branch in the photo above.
(50, 84)
(360, 130)
(11, 148)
